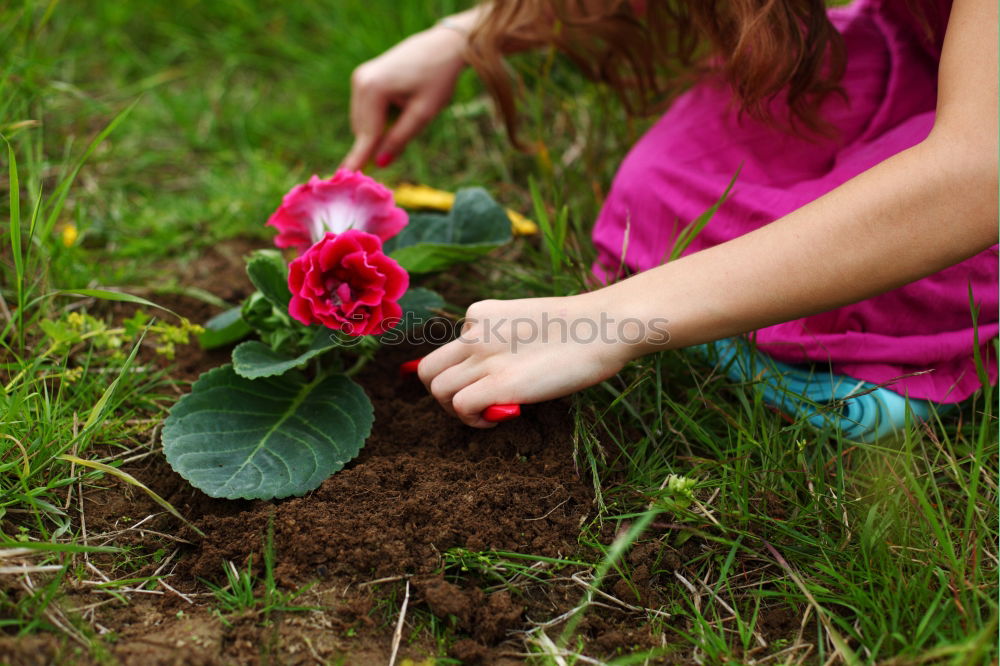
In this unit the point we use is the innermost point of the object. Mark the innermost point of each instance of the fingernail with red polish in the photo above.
(383, 160)
(410, 367)
(499, 413)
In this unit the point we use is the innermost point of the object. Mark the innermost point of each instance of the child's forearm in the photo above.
(921, 211)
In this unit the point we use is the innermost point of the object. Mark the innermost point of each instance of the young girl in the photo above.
(862, 222)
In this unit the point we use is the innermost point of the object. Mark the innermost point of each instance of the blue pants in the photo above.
(854, 408)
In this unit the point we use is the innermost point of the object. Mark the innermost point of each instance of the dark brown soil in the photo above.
(423, 486)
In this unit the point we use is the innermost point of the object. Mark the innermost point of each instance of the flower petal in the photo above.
(299, 310)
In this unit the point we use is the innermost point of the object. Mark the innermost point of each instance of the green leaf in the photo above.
(223, 329)
(418, 306)
(268, 272)
(431, 242)
(422, 228)
(478, 218)
(254, 359)
(265, 438)
(15, 214)
(46, 546)
(58, 331)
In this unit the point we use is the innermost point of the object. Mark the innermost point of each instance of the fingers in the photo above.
(454, 379)
(469, 403)
(369, 105)
(439, 360)
(368, 124)
(459, 383)
(360, 153)
(414, 117)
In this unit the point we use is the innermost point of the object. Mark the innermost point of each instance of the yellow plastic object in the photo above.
(422, 196)
(520, 225)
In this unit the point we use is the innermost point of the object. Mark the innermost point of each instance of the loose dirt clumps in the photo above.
(423, 484)
(486, 617)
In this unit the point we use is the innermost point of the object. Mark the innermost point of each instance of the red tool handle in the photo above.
(409, 368)
(493, 413)
(499, 413)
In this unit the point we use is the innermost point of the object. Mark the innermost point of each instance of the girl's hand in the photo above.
(530, 350)
(418, 77)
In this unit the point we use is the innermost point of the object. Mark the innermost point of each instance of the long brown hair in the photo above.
(638, 47)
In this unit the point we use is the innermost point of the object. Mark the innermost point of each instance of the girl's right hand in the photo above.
(418, 77)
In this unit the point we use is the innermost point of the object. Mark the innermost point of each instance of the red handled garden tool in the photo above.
(493, 413)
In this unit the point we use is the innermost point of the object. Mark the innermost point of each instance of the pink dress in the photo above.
(683, 164)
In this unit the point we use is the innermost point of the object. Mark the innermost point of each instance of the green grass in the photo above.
(158, 129)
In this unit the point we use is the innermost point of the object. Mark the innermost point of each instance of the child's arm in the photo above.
(914, 214)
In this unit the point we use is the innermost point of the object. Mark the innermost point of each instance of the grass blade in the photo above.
(111, 295)
(690, 232)
(15, 238)
(62, 190)
(128, 478)
(615, 553)
(98, 410)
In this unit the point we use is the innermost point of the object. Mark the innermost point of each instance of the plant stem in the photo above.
(358, 365)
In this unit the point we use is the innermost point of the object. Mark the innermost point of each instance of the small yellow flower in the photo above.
(423, 196)
(72, 374)
(76, 321)
(188, 327)
(69, 235)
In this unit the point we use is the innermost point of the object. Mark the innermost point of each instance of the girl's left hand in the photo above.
(531, 350)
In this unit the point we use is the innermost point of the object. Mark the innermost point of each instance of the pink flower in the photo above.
(347, 283)
(347, 200)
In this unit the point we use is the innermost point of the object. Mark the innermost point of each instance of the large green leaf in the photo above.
(254, 359)
(269, 273)
(264, 438)
(478, 218)
(431, 242)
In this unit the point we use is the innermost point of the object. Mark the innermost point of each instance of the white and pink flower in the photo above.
(346, 200)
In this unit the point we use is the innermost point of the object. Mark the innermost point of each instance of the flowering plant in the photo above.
(286, 413)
